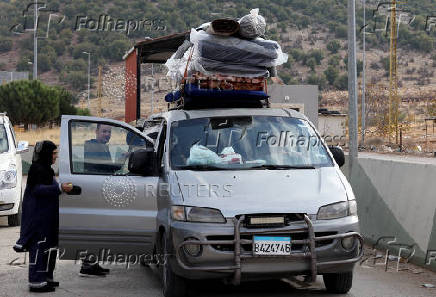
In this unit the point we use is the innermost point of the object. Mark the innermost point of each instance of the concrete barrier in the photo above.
(396, 198)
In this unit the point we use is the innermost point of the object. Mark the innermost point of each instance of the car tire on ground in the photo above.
(15, 220)
(172, 284)
(339, 283)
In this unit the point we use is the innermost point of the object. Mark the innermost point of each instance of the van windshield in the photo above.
(4, 144)
(247, 142)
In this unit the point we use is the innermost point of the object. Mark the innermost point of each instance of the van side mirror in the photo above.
(338, 155)
(22, 147)
(143, 162)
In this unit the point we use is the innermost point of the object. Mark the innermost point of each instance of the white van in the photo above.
(235, 194)
(10, 172)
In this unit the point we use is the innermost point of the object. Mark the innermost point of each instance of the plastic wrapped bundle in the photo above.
(252, 25)
(223, 27)
(212, 54)
(234, 56)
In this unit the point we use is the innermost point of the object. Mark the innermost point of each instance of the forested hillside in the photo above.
(313, 32)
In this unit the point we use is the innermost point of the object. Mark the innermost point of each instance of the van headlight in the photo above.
(197, 214)
(337, 210)
(8, 179)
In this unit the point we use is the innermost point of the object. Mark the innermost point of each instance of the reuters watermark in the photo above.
(200, 190)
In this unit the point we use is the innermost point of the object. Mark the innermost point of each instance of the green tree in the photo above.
(83, 112)
(5, 45)
(341, 31)
(40, 101)
(331, 73)
(359, 67)
(311, 63)
(66, 100)
(334, 61)
(341, 82)
(297, 54)
(77, 80)
(23, 64)
(334, 46)
(44, 62)
(317, 54)
(314, 79)
(117, 49)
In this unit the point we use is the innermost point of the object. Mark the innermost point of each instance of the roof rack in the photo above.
(207, 103)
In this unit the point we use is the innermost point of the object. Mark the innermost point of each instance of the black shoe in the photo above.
(19, 248)
(104, 270)
(43, 289)
(53, 284)
(91, 271)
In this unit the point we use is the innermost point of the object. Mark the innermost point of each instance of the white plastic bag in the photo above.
(201, 155)
(252, 25)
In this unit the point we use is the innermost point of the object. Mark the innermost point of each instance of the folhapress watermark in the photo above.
(106, 23)
(405, 253)
(289, 139)
(46, 17)
(430, 23)
(107, 257)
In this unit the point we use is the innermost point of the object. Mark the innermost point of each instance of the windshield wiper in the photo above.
(281, 167)
(201, 167)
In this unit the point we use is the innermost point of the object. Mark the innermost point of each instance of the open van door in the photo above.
(110, 211)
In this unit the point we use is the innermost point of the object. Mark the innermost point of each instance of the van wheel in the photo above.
(150, 262)
(339, 283)
(172, 284)
(15, 220)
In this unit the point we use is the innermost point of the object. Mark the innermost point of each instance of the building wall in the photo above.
(284, 95)
(8, 76)
(130, 87)
(333, 128)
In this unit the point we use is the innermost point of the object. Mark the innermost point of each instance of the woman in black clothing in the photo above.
(40, 218)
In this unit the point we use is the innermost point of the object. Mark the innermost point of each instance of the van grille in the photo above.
(271, 220)
(249, 247)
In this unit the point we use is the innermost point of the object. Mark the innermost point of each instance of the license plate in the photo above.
(271, 245)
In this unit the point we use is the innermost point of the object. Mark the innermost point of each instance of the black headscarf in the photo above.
(40, 171)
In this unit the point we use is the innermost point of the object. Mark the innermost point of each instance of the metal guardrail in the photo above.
(237, 242)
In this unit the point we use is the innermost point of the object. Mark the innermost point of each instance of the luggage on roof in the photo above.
(225, 63)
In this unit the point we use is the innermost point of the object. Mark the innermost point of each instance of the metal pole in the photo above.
(89, 76)
(138, 84)
(35, 41)
(152, 87)
(352, 85)
(363, 123)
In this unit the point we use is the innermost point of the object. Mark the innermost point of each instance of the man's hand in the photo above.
(67, 187)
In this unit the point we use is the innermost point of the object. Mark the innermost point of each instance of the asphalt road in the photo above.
(369, 280)
(144, 281)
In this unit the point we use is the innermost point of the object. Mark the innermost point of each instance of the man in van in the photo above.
(96, 152)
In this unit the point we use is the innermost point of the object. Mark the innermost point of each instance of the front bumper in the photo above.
(8, 196)
(316, 252)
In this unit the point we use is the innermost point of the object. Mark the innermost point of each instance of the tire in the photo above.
(172, 284)
(15, 220)
(338, 283)
(150, 263)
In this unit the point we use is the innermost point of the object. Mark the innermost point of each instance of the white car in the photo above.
(10, 172)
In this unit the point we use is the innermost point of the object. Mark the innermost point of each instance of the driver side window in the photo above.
(102, 148)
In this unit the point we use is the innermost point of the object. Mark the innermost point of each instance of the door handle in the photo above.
(75, 191)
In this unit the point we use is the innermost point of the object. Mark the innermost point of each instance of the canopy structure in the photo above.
(157, 50)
